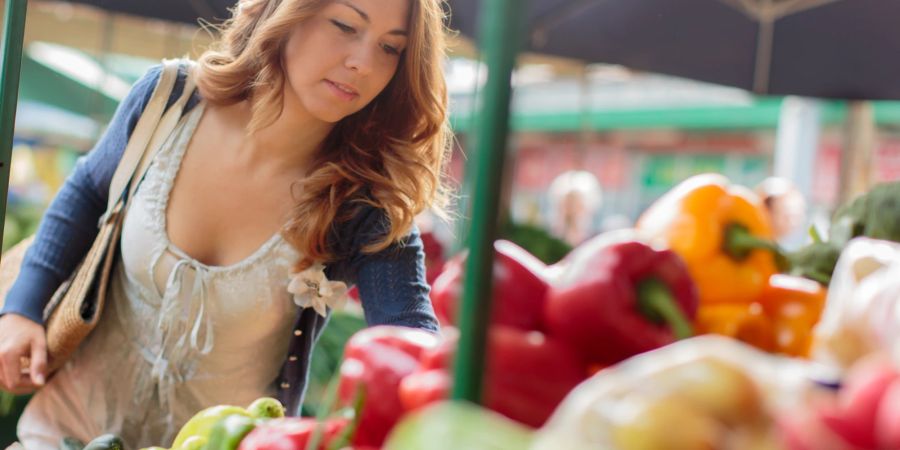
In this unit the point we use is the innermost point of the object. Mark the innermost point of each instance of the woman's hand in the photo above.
(21, 341)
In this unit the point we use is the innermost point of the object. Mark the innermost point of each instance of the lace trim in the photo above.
(158, 186)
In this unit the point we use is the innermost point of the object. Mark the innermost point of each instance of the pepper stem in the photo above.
(814, 234)
(655, 302)
(739, 242)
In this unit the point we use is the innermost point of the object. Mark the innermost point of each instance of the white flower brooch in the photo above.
(312, 289)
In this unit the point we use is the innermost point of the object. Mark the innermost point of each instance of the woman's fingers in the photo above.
(10, 365)
(38, 366)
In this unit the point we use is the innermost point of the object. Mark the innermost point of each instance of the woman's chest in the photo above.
(220, 212)
(199, 262)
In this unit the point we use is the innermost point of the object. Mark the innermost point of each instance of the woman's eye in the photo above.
(344, 27)
(390, 49)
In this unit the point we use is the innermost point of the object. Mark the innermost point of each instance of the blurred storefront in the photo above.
(641, 134)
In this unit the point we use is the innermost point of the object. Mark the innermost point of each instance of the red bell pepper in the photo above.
(518, 294)
(293, 433)
(434, 256)
(375, 361)
(433, 381)
(424, 387)
(528, 374)
(615, 301)
(441, 356)
(447, 289)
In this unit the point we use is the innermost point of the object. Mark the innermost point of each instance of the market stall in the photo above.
(601, 350)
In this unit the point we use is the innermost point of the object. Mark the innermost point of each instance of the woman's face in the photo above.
(343, 57)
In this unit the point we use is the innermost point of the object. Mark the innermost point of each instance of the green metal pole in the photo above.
(501, 31)
(13, 39)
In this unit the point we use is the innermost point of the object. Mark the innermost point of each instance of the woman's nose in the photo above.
(361, 59)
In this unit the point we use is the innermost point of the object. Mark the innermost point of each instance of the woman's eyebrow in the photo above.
(365, 16)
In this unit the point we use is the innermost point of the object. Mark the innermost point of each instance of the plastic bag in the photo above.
(704, 392)
(862, 313)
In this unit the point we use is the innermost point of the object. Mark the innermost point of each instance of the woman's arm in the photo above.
(69, 226)
(392, 285)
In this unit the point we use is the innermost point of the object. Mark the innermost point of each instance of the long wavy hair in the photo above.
(390, 155)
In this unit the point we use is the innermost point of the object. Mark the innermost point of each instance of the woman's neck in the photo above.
(289, 144)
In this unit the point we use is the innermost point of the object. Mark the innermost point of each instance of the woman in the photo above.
(318, 133)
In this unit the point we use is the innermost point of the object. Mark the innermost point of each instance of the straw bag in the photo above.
(75, 308)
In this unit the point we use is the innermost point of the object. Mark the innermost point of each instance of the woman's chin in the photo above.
(330, 115)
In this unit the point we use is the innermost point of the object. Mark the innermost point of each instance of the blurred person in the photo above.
(318, 132)
(615, 222)
(429, 225)
(575, 196)
(785, 205)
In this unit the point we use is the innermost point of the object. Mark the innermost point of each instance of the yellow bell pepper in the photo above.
(723, 234)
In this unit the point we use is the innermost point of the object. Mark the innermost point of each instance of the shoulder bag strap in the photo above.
(142, 134)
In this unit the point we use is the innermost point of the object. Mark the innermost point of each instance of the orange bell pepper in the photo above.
(746, 322)
(781, 321)
(723, 234)
(795, 305)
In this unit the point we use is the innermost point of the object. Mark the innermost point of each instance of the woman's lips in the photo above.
(342, 91)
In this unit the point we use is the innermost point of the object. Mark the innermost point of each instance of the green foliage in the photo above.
(327, 357)
(537, 241)
(876, 214)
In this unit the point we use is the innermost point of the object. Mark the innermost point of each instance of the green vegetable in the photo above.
(327, 358)
(875, 214)
(536, 240)
(202, 423)
(106, 442)
(266, 408)
(228, 433)
(816, 261)
(194, 443)
(7, 401)
(454, 426)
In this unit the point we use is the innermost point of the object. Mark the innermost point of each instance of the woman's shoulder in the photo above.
(365, 223)
(101, 163)
(143, 88)
(368, 224)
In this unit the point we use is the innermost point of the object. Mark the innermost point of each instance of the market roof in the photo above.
(843, 49)
(187, 11)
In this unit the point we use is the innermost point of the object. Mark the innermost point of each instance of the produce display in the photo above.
(647, 300)
(721, 231)
(511, 353)
(694, 330)
(876, 214)
(862, 314)
(707, 392)
(375, 362)
(519, 291)
(453, 426)
(781, 320)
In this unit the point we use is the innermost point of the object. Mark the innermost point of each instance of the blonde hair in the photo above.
(390, 155)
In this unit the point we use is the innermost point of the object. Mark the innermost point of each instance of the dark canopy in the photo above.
(823, 48)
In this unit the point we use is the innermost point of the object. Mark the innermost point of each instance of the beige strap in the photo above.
(142, 134)
(166, 126)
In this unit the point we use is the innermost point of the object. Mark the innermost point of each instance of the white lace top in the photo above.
(177, 336)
